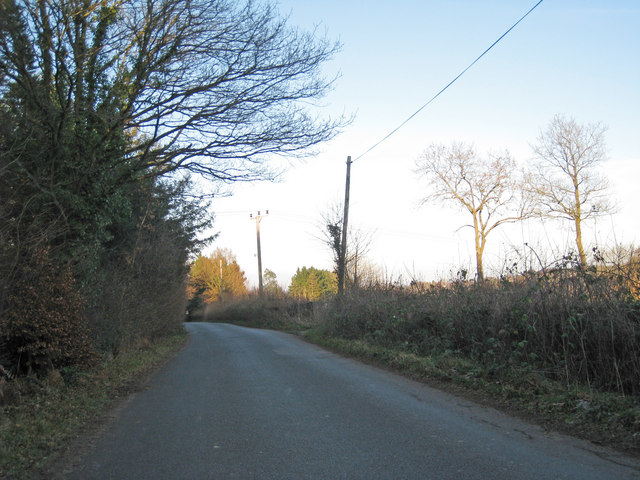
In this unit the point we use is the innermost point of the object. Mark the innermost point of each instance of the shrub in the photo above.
(43, 326)
(571, 325)
(273, 313)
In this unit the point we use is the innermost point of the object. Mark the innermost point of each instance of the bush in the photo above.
(273, 313)
(43, 326)
(571, 325)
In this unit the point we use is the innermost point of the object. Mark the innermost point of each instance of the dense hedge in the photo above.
(45, 325)
(569, 325)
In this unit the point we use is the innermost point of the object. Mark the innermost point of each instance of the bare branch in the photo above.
(200, 85)
(565, 183)
(486, 188)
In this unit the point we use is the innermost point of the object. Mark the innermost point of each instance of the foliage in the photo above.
(71, 185)
(271, 287)
(312, 284)
(104, 109)
(141, 285)
(45, 328)
(580, 328)
(217, 277)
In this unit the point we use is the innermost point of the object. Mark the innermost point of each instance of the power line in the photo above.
(230, 212)
(278, 215)
(450, 83)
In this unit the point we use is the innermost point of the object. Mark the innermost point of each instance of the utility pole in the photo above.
(342, 267)
(221, 280)
(257, 218)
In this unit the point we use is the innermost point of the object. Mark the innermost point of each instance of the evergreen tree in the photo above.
(102, 104)
(271, 287)
(312, 284)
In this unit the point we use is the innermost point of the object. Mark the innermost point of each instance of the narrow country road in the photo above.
(240, 403)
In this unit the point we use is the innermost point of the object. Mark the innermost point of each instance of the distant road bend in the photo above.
(240, 403)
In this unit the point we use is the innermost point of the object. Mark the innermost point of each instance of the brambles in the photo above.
(569, 325)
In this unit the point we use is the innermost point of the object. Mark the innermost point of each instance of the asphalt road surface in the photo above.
(240, 403)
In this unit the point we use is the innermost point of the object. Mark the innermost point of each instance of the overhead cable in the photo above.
(449, 84)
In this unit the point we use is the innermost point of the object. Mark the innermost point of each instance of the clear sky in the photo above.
(578, 58)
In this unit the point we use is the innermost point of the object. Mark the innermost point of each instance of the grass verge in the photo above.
(41, 415)
(608, 419)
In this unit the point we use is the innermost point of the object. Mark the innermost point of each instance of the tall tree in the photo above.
(566, 183)
(101, 98)
(487, 188)
(218, 277)
(103, 92)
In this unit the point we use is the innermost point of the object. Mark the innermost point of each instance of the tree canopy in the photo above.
(312, 284)
(217, 277)
(106, 107)
(209, 86)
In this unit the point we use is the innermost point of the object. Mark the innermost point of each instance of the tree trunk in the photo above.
(581, 254)
(479, 266)
(479, 249)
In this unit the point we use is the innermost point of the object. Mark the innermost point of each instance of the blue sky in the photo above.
(576, 58)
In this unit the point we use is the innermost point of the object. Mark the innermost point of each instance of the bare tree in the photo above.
(486, 188)
(210, 86)
(358, 244)
(565, 182)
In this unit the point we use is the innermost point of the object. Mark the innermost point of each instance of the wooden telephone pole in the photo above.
(257, 218)
(342, 264)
